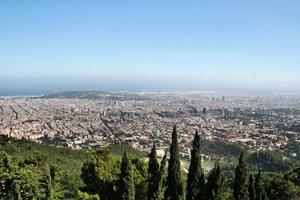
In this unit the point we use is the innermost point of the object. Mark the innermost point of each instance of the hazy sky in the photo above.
(69, 44)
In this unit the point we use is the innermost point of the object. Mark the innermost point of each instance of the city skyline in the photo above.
(170, 45)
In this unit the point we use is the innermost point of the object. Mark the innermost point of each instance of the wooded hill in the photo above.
(35, 171)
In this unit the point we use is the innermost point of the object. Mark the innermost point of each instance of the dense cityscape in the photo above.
(87, 119)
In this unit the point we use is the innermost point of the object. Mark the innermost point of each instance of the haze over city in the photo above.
(149, 45)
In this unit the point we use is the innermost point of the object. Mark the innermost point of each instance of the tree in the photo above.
(196, 180)
(241, 179)
(251, 188)
(162, 176)
(259, 189)
(101, 174)
(280, 189)
(127, 191)
(10, 183)
(214, 185)
(174, 188)
(48, 185)
(163, 165)
(86, 196)
(154, 176)
(89, 177)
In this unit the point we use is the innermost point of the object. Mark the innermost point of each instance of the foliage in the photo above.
(30, 160)
(18, 182)
(174, 190)
(241, 179)
(251, 188)
(214, 185)
(259, 188)
(34, 171)
(196, 180)
(86, 196)
(126, 187)
(271, 161)
(48, 184)
(154, 176)
(279, 188)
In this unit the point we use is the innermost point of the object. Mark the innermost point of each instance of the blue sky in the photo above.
(203, 44)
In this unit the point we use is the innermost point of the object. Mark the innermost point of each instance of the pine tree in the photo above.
(214, 185)
(241, 179)
(251, 188)
(127, 191)
(16, 192)
(196, 180)
(9, 176)
(259, 189)
(174, 189)
(154, 176)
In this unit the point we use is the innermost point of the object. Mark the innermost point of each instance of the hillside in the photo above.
(31, 160)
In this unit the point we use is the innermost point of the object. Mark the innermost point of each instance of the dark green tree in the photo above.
(154, 176)
(101, 174)
(127, 190)
(163, 164)
(196, 180)
(48, 185)
(162, 176)
(174, 187)
(251, 188)
(89, 177)
(241, 179)
(259, 188)
(280, 189)
(214, 185)
(294, 176)
(16, 193)
(10, 183)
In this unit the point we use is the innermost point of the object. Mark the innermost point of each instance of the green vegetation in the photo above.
(214, 185)
(271, 161)
(196, 179)
(241, 179)
(259, 188)
(30, 163)
(126, 187)
(174, 187)
(119, 150)
(153, 176)
(35, 171)
(226, 154)
(251, 188)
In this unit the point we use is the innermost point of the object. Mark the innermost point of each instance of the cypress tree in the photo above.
(162, 176)
(259, 189)
(48, 185)
(251, 188)
(214, 185)
(127, 191)
(163, 165)
(174, 189)
(196, 180)
(241, 179)
(154, 176)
